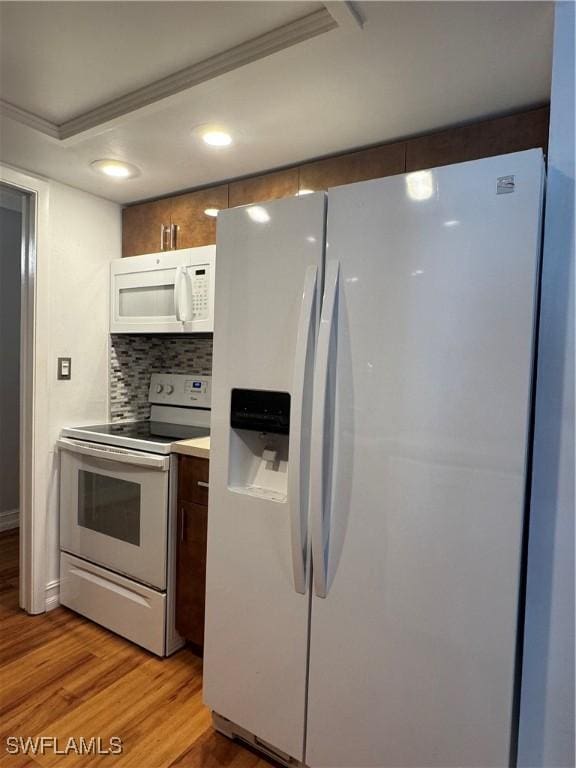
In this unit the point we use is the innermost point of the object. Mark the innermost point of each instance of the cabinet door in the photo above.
(192, 226)
(374, 163)
(193, 480)
(142, 228)
(486, 139)
(260, 189)
(191, 571)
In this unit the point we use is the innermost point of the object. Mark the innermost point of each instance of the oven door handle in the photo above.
(109, 453)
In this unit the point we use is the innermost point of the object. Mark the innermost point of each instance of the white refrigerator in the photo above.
(373, 358)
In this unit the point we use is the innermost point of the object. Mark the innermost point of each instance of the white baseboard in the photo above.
(9, 519)
(52, 594)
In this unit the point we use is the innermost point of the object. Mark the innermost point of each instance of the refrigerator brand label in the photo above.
(505, 185)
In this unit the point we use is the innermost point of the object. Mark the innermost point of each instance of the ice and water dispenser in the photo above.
(260, 426)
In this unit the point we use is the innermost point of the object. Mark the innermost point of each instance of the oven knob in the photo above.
(159, 388)
(169, 389)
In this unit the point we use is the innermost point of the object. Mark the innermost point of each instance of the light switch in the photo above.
(64, 367)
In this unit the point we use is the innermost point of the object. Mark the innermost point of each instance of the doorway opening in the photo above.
(24, 236)
(14, 240)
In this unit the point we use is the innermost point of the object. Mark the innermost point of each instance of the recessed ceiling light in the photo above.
(258, 214)
(212, 212)
(216, 138)
(115, 168)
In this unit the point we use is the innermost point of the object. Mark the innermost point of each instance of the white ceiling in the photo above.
(59, 59)
(413, 67)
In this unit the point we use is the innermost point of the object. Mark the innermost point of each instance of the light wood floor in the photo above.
(61, 675)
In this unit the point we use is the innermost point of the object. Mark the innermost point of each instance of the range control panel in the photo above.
(180, 389)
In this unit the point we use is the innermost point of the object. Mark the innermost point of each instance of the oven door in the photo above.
(114, 508)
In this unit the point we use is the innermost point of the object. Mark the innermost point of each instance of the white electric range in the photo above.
(118, 513)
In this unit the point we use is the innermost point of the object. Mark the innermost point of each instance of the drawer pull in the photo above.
(182, 524)
(202, 484)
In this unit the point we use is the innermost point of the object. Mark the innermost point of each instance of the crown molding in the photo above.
(312, 25)
(28, 118)
(346, 13)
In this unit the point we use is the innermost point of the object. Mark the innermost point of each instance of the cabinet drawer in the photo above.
(193, 480)
(132, 610)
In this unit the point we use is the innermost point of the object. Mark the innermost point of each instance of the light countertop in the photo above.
(199, 446)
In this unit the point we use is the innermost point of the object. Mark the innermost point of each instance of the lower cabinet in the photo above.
(191, 547)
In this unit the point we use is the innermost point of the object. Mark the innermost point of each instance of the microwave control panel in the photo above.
(180, 389)
(200, 280)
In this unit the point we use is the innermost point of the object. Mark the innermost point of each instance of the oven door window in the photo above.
(110, 506)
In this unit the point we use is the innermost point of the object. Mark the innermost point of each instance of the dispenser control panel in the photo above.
(260, 410)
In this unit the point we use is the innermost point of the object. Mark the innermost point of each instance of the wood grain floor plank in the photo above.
(36, 713)
(17, 761)
(212, 750)
(125, 707)
(63, 676)
(176, 725)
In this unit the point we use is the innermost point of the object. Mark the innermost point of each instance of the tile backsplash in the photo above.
(134, 358)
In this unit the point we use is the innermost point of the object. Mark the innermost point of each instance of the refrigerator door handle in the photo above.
(319, 515)
(299, 441)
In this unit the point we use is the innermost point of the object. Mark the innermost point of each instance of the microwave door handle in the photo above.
(187, 312)
(177, 292)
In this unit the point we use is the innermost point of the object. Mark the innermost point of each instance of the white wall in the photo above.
(85, 235)
(547, 702)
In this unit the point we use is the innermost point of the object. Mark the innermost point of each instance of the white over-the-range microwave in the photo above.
(168, 292)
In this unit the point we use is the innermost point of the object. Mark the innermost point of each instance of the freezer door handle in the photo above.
(299, 445)
(319, 479)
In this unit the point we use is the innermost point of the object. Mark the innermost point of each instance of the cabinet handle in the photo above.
(182, 523)
(164, 231)
(174, 236)
(202, 484)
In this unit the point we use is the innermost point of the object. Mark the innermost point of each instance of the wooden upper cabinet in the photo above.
(472, 142)
(142, 227)
(173, 222)
(192, 226)
(261, 189)
(386, 160)
(186, 225)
